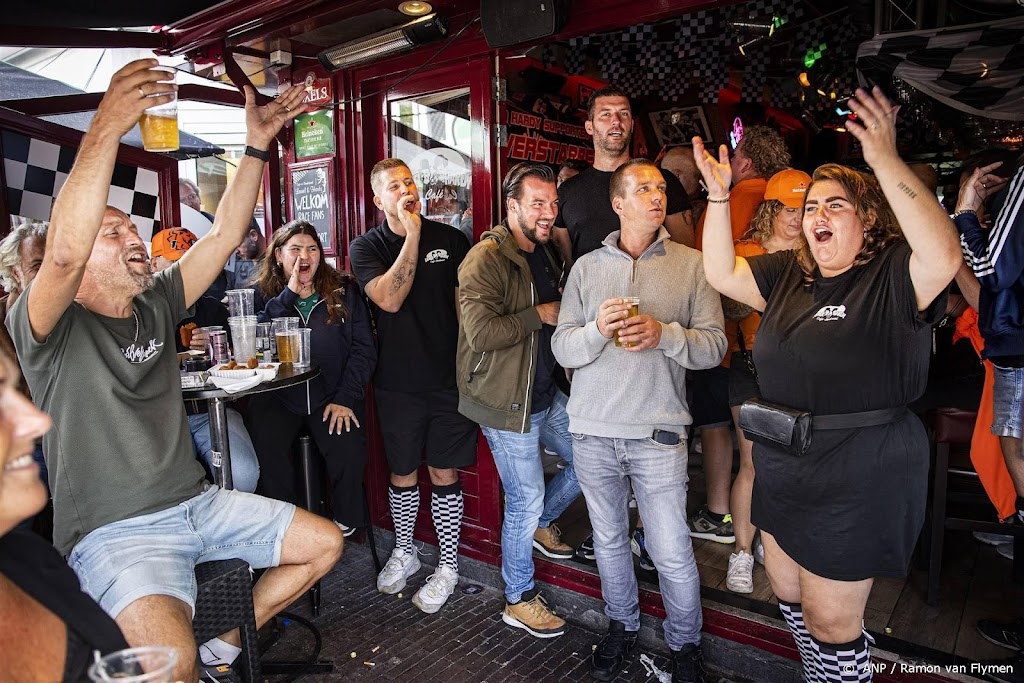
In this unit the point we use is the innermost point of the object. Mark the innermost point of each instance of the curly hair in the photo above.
(328, 282)
(10, 251)
(766, 150)
(760, 229)
(881, 228)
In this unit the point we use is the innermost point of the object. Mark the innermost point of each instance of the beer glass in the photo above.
(136, 665)
(634, 310)
(159, 124)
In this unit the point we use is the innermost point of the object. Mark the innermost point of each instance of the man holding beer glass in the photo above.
(628, 411)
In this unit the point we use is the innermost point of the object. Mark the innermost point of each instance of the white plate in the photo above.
(233, 374)
(267, 373)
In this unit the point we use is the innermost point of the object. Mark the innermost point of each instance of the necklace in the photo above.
(136, 316)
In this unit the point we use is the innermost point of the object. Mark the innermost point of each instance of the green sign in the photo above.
(314, 134)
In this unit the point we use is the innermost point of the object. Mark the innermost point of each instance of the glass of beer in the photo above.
(159, 124)
(634, 310)
(286, 334)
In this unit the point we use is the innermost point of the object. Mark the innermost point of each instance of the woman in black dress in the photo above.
(845, 334)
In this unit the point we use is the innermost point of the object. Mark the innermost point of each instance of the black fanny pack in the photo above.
(790, 430)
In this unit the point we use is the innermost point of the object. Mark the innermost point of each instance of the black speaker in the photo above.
(508, 22)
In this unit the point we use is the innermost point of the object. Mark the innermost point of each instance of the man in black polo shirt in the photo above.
(585, 215)
(408, 267)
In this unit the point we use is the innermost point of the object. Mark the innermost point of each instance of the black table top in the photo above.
(287, 375)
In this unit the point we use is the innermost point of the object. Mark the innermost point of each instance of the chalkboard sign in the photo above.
(310, 196)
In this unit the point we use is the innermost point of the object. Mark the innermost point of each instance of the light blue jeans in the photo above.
(245, 468)
(606, 467)
(528, 503)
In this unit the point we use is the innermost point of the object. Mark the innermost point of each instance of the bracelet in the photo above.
(719, 200)
(261, 154)
(963, 212)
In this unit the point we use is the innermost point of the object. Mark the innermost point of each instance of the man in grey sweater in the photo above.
(628, 412)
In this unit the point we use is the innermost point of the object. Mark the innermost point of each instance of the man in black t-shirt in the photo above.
(408, 268)
(585, 215)
(510, 301)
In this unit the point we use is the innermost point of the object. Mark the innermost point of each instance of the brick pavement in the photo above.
(465, 642)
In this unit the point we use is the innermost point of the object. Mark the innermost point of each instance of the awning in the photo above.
(17, 84)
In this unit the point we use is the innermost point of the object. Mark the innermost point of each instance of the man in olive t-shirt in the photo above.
(95, 332)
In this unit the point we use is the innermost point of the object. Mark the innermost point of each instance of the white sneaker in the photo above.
(991, 539)
(740, 578)
(436, 591)
(758, 550)
(346, 531)
(400, 567)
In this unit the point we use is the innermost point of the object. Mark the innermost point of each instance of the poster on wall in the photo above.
(679, 126)
(309, 192)
(314, 134)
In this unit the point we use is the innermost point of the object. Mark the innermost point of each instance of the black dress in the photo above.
(852, 507)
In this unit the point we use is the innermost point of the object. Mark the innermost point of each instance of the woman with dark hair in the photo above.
(845, 336)
(295, 282)
(51, 627)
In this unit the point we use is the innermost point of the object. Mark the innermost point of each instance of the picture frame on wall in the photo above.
(678, 126)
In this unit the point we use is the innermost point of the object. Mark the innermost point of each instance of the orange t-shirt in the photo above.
(744, 198)
(749, 324)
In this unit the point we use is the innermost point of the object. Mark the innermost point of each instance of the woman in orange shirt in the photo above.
(776, 226)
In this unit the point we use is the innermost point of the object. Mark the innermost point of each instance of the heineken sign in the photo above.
(314, 134)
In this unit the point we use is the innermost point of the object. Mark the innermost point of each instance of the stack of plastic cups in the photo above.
(242, 322)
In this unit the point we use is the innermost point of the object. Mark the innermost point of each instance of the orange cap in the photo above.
(172, 243)
(789, 187)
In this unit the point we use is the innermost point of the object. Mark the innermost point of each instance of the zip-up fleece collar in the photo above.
(657, 247)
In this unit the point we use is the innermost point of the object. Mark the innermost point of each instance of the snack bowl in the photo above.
(267, 371)
(233, 374)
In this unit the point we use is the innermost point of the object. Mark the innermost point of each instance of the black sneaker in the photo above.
(1005, 670)
(688, 665)
(586, 548)
(1003, 634)
(638, 544)
(610, 655)
(703, 525)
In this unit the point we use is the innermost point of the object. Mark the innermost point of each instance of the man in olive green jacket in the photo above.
(509, 295)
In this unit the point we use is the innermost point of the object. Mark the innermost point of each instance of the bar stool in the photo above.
(224, 602)
(956, 426)
(313, 500)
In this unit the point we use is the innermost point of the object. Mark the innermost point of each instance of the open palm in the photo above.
(717, 174)
(263, 122)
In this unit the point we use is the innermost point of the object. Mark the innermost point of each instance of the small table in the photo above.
(288, 375)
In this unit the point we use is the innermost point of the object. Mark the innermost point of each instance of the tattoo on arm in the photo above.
(907, 190)
(402, 275)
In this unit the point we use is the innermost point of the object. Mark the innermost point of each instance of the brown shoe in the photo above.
(549, 542)
(534, 617)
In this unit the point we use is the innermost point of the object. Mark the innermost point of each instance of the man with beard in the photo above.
(247, 259)
(585, 215)
(508, 289)
(408, 267)
(95, 333)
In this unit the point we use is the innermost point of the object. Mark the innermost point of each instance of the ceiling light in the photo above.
(385, 43)
(804, 79)
(415, 9)
(745, 47)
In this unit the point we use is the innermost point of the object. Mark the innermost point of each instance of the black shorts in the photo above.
(428, 421)
(709, 404)
(742, 381)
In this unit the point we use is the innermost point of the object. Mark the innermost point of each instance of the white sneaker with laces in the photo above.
(400, 567)
(436, 591)
(740, 578)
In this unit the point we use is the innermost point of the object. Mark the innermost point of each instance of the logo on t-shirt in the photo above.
(436, 256)
(826, 313)
(140, 353)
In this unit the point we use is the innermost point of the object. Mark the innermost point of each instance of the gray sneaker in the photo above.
(399, 568)
(702, 525)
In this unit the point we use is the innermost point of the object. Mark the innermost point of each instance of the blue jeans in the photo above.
(1008, 402)
(605, 468)
(245, 468)
(527, 503)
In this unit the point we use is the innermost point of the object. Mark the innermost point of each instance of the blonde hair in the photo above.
(761, 225)
(10, 250)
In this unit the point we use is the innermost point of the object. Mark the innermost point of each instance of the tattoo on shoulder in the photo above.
(907, 190)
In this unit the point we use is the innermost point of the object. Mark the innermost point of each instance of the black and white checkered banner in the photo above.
(576, 55)
(36, 170)
(630, 60)
(977, 69)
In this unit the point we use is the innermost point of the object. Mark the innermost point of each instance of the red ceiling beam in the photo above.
(37, 36)
(68, 104)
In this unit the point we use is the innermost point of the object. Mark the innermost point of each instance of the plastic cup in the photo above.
(265, 345)
(302, 356)
(243, 337)
(634, 310)
(136, 665)
(159, 125)
(240, 302)
(286, 333)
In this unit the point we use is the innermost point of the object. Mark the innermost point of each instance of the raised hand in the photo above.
(131, 92)
(875, 126)
(409, 213)
(263, 122)
(717, 174)
(981, 185)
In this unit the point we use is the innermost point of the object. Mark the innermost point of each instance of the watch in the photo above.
(261, 154)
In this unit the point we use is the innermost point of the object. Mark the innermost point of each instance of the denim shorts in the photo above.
(1007, 402)
(156, 554)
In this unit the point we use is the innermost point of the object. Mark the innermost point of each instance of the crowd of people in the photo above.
(794, 310)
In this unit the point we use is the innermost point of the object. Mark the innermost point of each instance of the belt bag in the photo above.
(790, 430)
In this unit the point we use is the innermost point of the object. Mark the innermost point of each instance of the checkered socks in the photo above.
(1020, 509)
(446, 508)
(404, 502)
(827, 662)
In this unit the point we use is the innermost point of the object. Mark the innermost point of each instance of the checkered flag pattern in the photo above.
(755, 77)
(576, 55)
(36, 170)
(405, 504)
(710, 69)
(844, 664)
(698, 24)
(793, 613)
(811, 41)
(548, 56)
(446, 508)
(977, 69)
